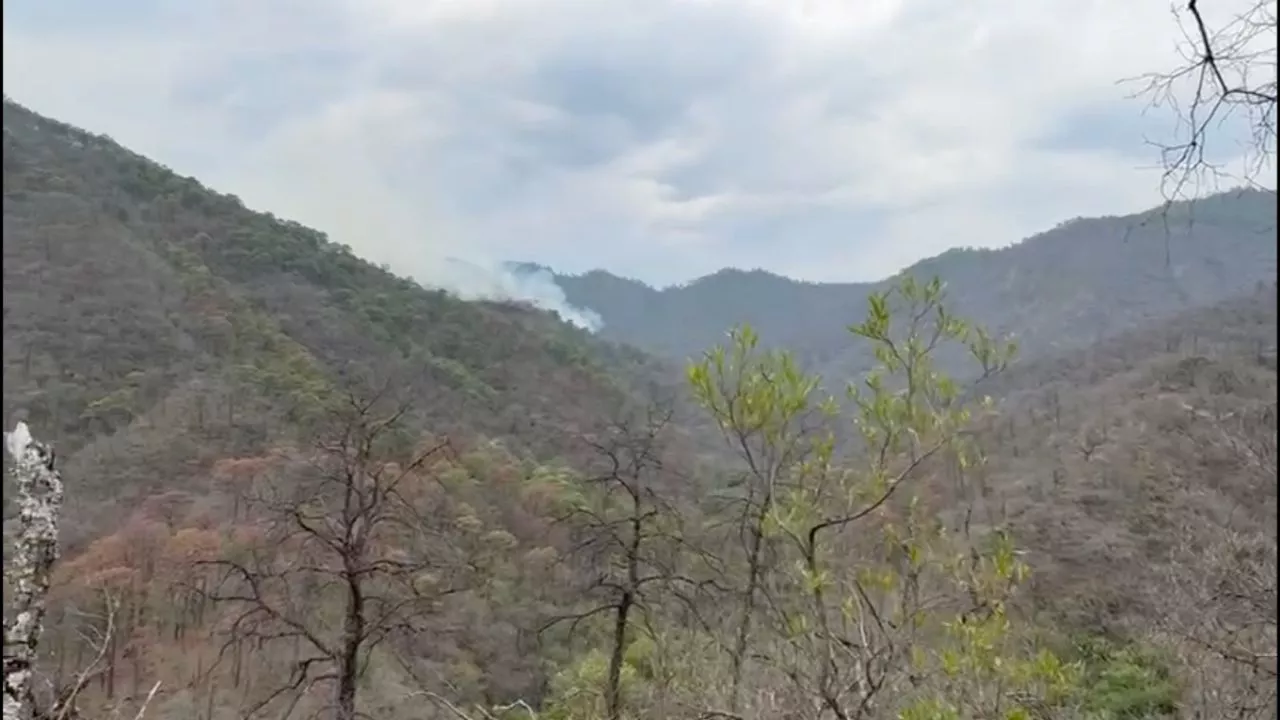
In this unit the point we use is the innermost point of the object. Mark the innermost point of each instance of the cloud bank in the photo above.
(660, 139)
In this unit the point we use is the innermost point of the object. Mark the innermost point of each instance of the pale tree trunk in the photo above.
(39, 502)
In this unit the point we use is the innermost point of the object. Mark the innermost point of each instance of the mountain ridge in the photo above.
(1046, 289)
(1133, 220)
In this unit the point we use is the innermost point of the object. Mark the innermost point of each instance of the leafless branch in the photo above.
(1228, 74)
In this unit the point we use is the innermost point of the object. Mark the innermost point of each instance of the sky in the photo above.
(659, 139)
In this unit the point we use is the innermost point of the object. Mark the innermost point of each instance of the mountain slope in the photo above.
(1108, 457)
(152, 325)
(1140, 474)
(1085, 280)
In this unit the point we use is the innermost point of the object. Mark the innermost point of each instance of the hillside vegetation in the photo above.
(1141, 475)
(152, 326)
(1085, 280)
(299, 486)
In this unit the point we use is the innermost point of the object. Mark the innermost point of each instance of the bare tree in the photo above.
(353, 529)
(1227, 74)
(627, 534)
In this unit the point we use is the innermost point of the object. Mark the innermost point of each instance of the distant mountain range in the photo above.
(1087, 279)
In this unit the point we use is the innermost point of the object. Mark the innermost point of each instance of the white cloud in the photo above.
(658, 138)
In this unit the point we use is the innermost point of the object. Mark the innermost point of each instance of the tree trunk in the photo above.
(352, 635)
(613, 688)
(754, 560)
(40, 502)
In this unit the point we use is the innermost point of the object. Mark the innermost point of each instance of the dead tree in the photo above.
(351, 529)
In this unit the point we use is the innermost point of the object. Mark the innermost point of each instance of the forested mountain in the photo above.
(1086, 279)
(1141, 470)
(151, 323)
(173, 345)
(300, 486)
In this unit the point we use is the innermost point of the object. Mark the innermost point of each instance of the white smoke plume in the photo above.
(479, 280)
(361, 210)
